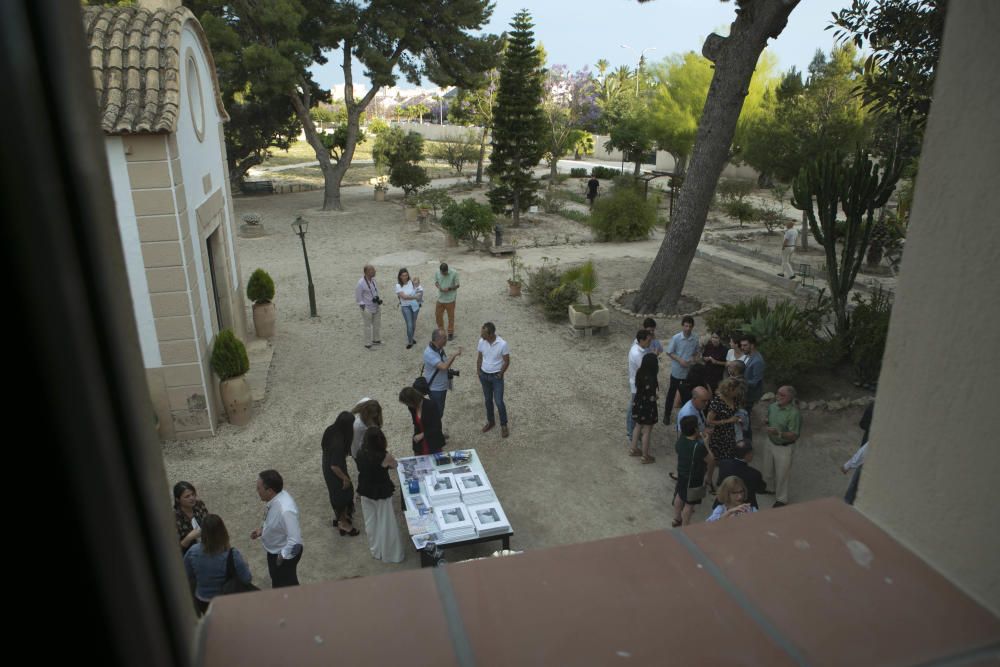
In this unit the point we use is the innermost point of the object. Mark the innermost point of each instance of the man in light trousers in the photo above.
(368, 300)
(784, 424)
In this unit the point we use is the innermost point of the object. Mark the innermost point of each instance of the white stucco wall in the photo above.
(142, 305)
(200, 156)
(932, 473)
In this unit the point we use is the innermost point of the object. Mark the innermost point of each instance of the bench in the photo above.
(257, 187)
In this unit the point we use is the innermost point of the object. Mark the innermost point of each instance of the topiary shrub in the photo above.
(468, 220)
(623, 215)
(578, 172)
(546, 290)
(788, 361)
(260, 287)
(605, 172)
(229, 356)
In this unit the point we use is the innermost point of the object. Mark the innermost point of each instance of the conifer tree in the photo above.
(518, 122)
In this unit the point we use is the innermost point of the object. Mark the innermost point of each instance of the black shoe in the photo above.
(368, 347)
(666, 421)
(451, 336)
(766, 492)
(409, 346)
(781, 275)
(792, 277)
(376, 342)
(778, 503)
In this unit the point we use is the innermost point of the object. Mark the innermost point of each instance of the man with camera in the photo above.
(368, 300)
(437, 368)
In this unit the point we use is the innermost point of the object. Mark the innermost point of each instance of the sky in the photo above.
(578, 33)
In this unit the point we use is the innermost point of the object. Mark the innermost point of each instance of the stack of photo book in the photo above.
(475, 488)
(489, 519)
(442, 489)
(454, 522)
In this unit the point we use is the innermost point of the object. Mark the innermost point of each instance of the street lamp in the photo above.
(440, 109)
(299, 227)
(638, 69)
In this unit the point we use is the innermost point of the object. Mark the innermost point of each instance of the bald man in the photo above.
(368, 300)
(784, 424)
(695, 408)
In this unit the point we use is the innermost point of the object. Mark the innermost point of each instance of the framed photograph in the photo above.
(454, 519)
(489, 518)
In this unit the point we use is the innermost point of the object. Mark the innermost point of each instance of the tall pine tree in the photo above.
(518, 122)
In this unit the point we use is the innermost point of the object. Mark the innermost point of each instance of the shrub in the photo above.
(734, 189)
(260, 287)
(410, 177)
(869, 328)
(229, 356)
(623, 215)
(436, 198)
(605, 172)
(790, 360)
(545, 289)
(468, 220)
(577, 216)
(729, 318)
(578, 172)
(553, 200)
(740, 210)
(456, 153)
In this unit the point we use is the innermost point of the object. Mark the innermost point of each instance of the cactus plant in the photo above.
(858, 187)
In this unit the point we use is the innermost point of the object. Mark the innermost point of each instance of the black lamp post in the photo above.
(299, 227)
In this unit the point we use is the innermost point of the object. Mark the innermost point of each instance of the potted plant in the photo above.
(585, 279)
(260, 290)
(230, 362)
(514, 282)
(381, 185)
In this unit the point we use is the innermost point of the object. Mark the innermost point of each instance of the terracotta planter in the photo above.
(380, 195)
(409, 214)
(264, 315)
(514, 289)
(237, 400)
(580, 319)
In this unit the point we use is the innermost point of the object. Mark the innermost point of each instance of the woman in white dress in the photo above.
(376, 489)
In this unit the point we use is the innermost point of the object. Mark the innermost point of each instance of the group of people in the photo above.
(715, 389)
(410, 297)
(212, 564)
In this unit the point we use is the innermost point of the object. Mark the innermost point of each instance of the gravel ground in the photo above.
(562, 475)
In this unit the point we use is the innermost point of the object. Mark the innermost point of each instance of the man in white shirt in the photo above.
(787, 248)
(640, 346)
(492, 362)
(368, 300)
(280, 533)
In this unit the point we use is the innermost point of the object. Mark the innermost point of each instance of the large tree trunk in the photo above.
(553, 170)
(735, 58)
(238, 170)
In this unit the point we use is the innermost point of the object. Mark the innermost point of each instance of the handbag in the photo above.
(233, 584)
(695, 492)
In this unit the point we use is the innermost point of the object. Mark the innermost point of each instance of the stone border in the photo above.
(832, 405)
(615, 304)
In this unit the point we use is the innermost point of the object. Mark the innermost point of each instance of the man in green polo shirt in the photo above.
(784, 424)
(447, 283)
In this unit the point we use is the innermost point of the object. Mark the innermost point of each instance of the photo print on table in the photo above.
(472, 482)
(453, 515)
(443, 484)
(488, 516)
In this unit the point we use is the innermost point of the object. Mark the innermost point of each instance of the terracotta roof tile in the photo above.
(135, 62)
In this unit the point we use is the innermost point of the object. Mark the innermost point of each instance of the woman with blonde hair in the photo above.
(732, 498)
(207, 562)
(721, 418)
(367, 413)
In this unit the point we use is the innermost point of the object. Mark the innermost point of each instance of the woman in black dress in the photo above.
(644, 411)
(336, 444)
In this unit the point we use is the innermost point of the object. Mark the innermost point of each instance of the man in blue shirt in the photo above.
(753, 374)
(437, 367)
(682, 349)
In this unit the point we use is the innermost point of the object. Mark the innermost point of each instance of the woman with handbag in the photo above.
(428, 436)
(207, 564)
(376, 489)
(732, 499)
(336, 445)
(189, 512)
(410, 294)
(692, 457)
